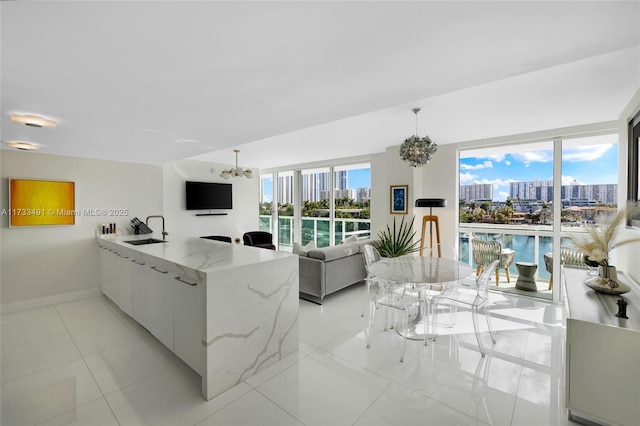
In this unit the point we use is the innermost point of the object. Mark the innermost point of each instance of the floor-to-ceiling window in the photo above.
(334, 203)
(352, 201)
(506, 193)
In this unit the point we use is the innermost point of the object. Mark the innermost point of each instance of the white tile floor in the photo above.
(86, 363)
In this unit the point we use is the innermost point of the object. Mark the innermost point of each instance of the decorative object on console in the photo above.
(238, 171)
(399, 241)
(415, 150)
(601, 238)
(622, 309)
(431, 203)
(607, 281)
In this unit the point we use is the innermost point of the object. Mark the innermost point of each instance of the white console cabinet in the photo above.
(603, 354)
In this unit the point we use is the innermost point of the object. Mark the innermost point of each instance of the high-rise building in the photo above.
(363, 194)
(476, 191)
(285, 189)
(341, 179)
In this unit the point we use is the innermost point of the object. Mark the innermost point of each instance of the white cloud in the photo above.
(570, 180)
(502, 195)
(467, 178)
(542, 156)
(498, 158)
(585, 153)
(485, 165)
(508, 163)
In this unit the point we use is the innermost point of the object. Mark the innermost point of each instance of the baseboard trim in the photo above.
(8, 308)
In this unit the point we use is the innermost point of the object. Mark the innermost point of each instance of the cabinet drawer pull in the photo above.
(159, 270)
(186, 282)
(122, 256)
(138, 263)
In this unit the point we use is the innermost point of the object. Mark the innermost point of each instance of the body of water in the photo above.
(523, 245)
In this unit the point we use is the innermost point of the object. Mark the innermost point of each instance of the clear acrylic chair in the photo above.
(476, 298)
(370, 256)
(391, 296)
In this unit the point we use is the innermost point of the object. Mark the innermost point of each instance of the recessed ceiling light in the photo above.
(23, 146)
(32, 120)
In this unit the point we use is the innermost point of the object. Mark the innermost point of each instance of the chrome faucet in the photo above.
(164, 233)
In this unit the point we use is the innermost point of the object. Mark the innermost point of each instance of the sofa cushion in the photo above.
(334, 252)
(301, 250)
(351, 239)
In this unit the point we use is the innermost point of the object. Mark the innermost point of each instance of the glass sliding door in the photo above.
(285, 197)
(506, 194)
(267, 214)
(352, 201)
(315, 193)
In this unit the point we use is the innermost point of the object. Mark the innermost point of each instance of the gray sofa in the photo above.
(326, 270)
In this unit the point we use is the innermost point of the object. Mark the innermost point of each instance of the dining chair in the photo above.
(370, 256)
(222, 238)
(486, 251)
(391, 296)
(475, 298)
(260, 239)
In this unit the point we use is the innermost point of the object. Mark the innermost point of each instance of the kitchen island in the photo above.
(227, 310)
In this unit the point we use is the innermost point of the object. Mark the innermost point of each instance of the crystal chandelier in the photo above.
(415, 150)
(238, 171)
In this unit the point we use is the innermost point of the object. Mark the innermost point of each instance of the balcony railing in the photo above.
(530, 243)
(316, 229)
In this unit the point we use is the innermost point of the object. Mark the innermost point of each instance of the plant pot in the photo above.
(607, 281)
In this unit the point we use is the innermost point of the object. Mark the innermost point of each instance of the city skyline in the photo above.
(581, 165)
(356, 179)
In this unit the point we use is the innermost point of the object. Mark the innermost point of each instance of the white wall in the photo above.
(439, 179)
(434, 180)
(242, 218)
(387, 170)
(42, 262)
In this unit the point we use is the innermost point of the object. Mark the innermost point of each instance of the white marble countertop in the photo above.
(198, 254)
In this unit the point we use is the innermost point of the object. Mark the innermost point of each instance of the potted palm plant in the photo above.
(399, 240)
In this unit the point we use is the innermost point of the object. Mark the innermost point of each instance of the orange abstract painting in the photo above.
(41, 202)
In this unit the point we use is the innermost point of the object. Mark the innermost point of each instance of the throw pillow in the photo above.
(351, 239)
(301, 250)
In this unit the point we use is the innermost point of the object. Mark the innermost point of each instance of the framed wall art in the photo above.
(399, 197)
(35, 202)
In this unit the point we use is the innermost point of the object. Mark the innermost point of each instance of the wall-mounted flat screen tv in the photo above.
(34, 202)
(209, 196)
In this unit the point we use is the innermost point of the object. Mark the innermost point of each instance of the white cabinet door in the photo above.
(141, 291)
(122, 273)
(156, 304)
(109, 282)
(105, 270)
(188, 321)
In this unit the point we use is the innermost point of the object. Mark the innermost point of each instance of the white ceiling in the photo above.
(296, 82)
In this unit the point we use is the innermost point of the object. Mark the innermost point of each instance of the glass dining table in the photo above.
(426, 274)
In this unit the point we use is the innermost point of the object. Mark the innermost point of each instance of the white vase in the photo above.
(607, 281)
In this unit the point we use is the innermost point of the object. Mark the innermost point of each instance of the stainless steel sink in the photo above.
(145, 241)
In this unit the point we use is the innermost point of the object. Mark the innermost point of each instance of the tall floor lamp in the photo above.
(431, 218)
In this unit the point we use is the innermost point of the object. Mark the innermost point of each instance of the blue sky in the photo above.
(586, 164)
